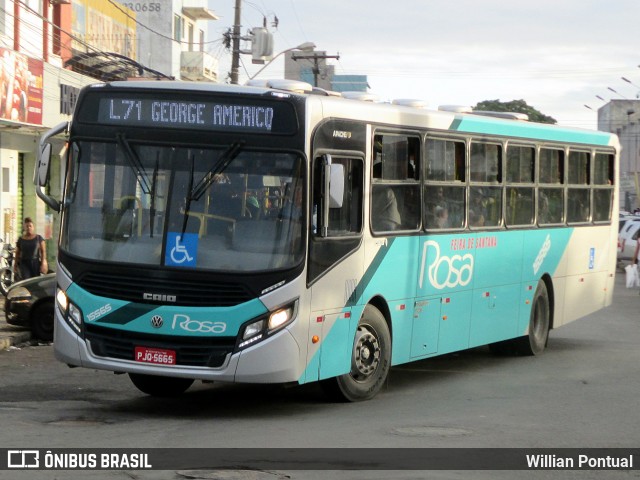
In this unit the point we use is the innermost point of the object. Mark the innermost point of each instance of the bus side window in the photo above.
(485, 194)
(579, 194)
(603, 187)
(346, 219)
(520, 169)
(345, 223)
(444, 192)
(395, 193)
(550, 190)
(444, 206)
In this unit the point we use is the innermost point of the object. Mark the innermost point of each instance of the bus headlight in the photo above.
(71, 313)
(253, 329)
(265, 326)
(282, 317)
(63, 301)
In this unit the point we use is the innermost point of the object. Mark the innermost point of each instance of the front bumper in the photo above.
(275, 360)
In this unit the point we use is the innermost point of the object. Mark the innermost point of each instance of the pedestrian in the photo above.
(31, 253)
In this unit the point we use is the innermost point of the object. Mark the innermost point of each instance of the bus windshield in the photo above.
(226, 208)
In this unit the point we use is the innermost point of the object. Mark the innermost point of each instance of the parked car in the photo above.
(628, 238)
(30, 304)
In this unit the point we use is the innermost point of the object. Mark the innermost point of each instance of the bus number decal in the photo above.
(99, 312)
(443, 271)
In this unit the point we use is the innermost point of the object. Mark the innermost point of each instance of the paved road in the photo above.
(583, 392)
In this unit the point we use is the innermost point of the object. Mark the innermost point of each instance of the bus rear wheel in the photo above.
(158, 386)
(536, 341)
(370, 361)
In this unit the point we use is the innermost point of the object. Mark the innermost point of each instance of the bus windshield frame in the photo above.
(216, 208)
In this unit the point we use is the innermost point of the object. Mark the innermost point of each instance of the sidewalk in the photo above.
(11, 335)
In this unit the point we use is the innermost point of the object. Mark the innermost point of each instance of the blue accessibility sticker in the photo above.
(181, 250)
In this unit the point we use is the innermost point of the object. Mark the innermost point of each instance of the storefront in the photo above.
(35, 96)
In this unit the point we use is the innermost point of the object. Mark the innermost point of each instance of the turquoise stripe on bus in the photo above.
(450, 292)
(536, 131)
(173, 320)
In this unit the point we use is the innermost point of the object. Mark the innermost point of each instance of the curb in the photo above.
(8, 339)
(11, 335)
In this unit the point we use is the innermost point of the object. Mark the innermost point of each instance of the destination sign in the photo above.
(220, 115)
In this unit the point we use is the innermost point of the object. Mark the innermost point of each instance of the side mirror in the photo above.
(41, 173)
(336, 186)
(332, 190)
(43, 164)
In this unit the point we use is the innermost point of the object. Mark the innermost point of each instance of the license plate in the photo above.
(155, 355)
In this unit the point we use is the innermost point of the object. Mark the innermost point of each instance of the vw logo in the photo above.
(156, 321)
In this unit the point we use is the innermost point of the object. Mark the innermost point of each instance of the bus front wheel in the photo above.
(370, 360)
(160, 386)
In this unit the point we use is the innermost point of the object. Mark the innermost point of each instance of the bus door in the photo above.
(442, 314)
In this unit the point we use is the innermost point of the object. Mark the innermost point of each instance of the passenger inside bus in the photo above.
(385, 215)
(441, 217)
(292, 208)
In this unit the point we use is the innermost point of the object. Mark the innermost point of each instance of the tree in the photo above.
(516, 106)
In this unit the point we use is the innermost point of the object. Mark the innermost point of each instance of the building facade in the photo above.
(622, 117)
(174, 38)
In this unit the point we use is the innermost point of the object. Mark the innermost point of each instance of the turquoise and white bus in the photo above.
(278, 234)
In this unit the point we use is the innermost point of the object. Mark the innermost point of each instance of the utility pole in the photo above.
(235, 54)
(315, 58)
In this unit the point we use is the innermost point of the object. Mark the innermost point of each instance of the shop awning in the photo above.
(110, 67)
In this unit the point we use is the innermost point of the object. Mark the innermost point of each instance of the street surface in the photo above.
(582, 392)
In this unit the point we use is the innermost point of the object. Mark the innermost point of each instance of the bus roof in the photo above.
(411, 114)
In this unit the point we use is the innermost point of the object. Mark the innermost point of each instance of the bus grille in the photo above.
(188, 293)
(195, 352)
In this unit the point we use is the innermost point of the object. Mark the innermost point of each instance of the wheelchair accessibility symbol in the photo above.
(181, 250)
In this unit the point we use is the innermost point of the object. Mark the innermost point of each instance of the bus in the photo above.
(283, 234)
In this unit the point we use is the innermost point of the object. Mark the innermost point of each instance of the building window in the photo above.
(190, 36)
(177, 28)
(6, 178)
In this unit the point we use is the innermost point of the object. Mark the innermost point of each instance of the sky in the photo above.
(557, 55)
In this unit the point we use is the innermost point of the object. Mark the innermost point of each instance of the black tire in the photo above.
(158, 386)
(370, 361)
(535, 341)
(42, 321)
(6, 279)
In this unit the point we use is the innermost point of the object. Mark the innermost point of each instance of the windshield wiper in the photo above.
(152, 206)
(221, 164)
(134, 162)
(189, 197)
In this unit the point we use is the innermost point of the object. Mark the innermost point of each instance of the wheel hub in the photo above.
(366, 353)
